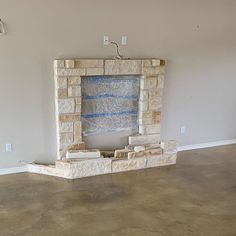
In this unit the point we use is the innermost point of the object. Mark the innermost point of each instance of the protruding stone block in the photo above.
(145, 153)
(89, 63)
(121, 153)
(69, 63)
(130, 164)
(83, 154)
(144, 139)
(59, 63)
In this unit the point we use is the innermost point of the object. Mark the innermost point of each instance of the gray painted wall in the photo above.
(198, 38)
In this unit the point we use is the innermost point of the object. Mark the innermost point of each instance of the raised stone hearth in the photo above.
(145, 148)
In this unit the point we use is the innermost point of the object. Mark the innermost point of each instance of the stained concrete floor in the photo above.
(195, 197)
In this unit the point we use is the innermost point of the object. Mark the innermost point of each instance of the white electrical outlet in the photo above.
(182, 129)
(124, 40)
(105, 40)
(8, 147)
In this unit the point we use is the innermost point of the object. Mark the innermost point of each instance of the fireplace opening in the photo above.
(109, 111)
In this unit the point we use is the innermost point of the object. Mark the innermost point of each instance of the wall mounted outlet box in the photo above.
(8, 147)
(105, 40)
(124, 40)
(182, 129)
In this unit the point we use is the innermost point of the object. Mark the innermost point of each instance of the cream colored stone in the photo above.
(129, 164)
(66, 105)
(160, 83)
(59, 63)
(145, 153)
(74, 80)
(95, 71)
(78, 100)
(83, 154)
(76, 146)
(66, 138)
(78, 108)
(169, 146)
(143, 105)
(148, 83)
(155, 104)
(121, 153)
(156, 62)
(70, 72)
(145, 121)
(78, 128)
(69, 117)
(62, 93)
(91, 167)
(147, 63)
(143, 95)
(139, 148)
(154, 161)
(155, 93)
(69, 63)
(89, 63)
(151, 71)
(114, 67)
(150, 129)
(144, 139)
(66, 127)
(61, 82)
(78, 138)
(74, 91)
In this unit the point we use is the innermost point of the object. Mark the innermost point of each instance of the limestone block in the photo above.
(169, 146)
(143, 95)
(83, 154)
(145, 121)
(156, 62)
(144, 139)
(69, 117)
(147, 63)
(74, 91)
(61, 82)
(156, 117)
(114, 67)
(89, 63)
(78, 108)
(76, 146)
(139, 148)
(121, 153)
(143, 105)
(151, 71)
(78, 138)
(59, 63)
(95, 71)
(78, 100)
(74, 80)
(78, 128)
(155, 104)
(66, 105)
(148, 83)
(69, 63)
(154, 161)
(129, 164)
(91, 167)
(70, 72)
(170, 158)
(62, 93)
(48, 170)
(145, 153)
(66, 127)
(150, 129)
(66, 138)
(160, 83)
(155, 93)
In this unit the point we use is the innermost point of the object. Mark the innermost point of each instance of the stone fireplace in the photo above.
(138, 110)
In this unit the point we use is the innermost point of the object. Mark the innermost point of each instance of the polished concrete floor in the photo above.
(195, 197)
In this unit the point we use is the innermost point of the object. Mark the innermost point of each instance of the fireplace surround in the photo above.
(145, 148)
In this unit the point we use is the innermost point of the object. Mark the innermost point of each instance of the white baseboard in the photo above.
(206, 145)
(13, 170)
